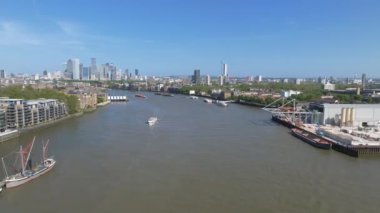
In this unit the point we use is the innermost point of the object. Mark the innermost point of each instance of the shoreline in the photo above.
(18, 132)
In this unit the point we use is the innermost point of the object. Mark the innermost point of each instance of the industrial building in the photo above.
(351, 115)
(20, 113)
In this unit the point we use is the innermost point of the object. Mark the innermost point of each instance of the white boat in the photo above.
(28, 172)
(151, 121)
(209, 101)
(221, 103)
(193, 97)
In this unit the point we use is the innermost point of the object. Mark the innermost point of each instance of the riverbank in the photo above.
(8, 134)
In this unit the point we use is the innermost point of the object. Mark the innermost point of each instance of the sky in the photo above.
(272, 38)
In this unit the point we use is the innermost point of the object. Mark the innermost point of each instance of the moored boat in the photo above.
(140, 95)
(28, 172)
(152, 120)
(311, 138)
(209, 101)
(221, 103)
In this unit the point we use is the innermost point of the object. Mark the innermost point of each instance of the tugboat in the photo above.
(311, 138)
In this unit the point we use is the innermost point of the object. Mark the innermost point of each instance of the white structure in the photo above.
(259, 78)
(351, 114)
(299, 81)
(73, 66)
(289, 93)
(329, 86)
(208, 80)
(221, 80)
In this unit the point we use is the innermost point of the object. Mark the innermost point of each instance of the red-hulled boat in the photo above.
(311, 138)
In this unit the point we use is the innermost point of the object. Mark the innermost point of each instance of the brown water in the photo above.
(197, 158)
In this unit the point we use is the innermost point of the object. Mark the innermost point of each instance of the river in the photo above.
(198, 157)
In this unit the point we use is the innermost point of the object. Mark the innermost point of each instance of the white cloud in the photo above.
(69, 28)
(12, 33)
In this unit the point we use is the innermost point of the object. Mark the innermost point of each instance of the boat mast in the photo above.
(30, 150)
(22, 160)
(44, 147)
(5, 169)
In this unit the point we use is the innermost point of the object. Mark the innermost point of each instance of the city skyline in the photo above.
(269, 38)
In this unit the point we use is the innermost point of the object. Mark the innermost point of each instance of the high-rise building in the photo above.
(126, 74)
(93, 69)
(208, 80)
(197, 77)
(80, 71)
(2, 73)
(136, 72)
(86, 73)
(259, 78)
(364, 80)
(73, 67)
(224, 70)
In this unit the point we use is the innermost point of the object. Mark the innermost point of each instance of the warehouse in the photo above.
(351, 114)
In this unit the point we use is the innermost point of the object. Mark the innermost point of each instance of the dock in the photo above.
(354, 141)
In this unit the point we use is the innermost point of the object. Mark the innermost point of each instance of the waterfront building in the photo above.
(3, 121)
(73, 67)
(197, 77)
(20, 113)
(354, 115)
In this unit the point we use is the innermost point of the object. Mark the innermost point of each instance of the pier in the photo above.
(117, 98)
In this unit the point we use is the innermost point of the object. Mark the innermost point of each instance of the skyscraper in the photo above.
(93, 69)
(86, 73)
(73, 67)
(136, 72)
(2, 73)
(197, 77)
(364, 80)
(224, 70)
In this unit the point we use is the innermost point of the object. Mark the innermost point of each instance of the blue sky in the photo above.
(274, 38)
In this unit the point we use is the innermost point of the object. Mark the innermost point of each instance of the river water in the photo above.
(198, 157)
